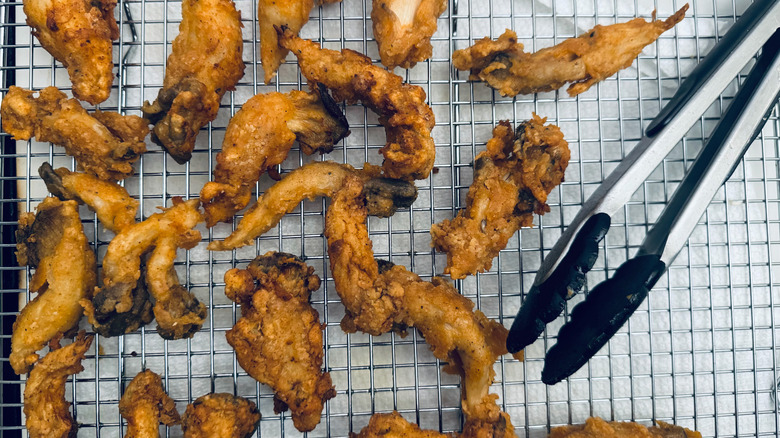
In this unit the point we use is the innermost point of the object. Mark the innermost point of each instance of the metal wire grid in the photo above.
(699, 353)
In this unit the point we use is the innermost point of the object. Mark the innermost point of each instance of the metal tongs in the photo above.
(609, 305)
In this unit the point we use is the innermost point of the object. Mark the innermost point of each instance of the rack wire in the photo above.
(699, 353)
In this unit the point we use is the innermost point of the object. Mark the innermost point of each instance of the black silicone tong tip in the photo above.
(594, 321)
(544, 302)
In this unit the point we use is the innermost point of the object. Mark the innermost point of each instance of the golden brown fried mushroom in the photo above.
(512, 179)
(393, 425)
(403, 30)
(582, 61)
(205, 62)
(595, 427)
(53, 242)
(260, 136)
(410, 151)
(220, 416)
(115, 208)
(145, 405)
(46, 411)
(78, 33)
(179, 314)
(271, 14)
(105, 144)
(278, 339)
(320, 178)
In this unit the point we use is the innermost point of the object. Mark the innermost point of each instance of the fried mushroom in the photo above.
(115, 208)
(393, 425)
(205, 62)
(260, 136)
(46, 411)
(145, 405)
(597, 427)
(403, 30)
(220, 415)
(582, 61)
(80, 35)
(179, 314)
(105, 144)
(512, 180)
(278, 339)
(410, 151)
(320, 178)
(51, 241)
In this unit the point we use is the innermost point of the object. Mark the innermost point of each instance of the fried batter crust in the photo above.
(145, 405)
(205, 62)
(179, 314)
(260, 136)
(393, 425)
(53, 242)
(583, 61)
(278, 339)
(512, 179)
(403, 30)
(105, 144)
(115, 208)
(379, 298)
(596, 427)
(220, 416)
(78, 33)
(410, 151)
(47, 413)
(320, 178)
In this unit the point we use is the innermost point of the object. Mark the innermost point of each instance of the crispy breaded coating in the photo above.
(292, 14)
(47, 413)
(582, 61)
(105, 144)
(220, 416)
(205, 62)
(53, 242)
(115, 208)
(597, 428)
(410, 151)
(260, 135)
(145, 405)
(512, 179)
(79, 34)
(320, 178)
(379, 297)
(403, 30)
(393, 425)
(179, 314)
(278, 339)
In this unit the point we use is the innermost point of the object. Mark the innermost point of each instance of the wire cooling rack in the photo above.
(700, 352)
